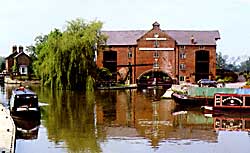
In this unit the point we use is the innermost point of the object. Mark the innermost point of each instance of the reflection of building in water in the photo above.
(136, 115)
(232, 123)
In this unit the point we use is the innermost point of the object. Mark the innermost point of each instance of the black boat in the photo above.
(24, 103)
(183, 99)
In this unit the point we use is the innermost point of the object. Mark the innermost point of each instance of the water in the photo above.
(125, 121)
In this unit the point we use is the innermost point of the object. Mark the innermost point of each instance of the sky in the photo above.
(23, 20)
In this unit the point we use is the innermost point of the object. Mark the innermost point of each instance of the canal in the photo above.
(122, 121)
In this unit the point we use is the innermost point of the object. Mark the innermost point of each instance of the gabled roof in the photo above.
(123, 37)
(20, 54)
(182, 37)
(15, 55)
(12, 55)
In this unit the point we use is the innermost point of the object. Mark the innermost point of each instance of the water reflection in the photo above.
(131, 114)
(141, 117)
(26, 128)
(70, 118)
(232, 122)
(125, 121)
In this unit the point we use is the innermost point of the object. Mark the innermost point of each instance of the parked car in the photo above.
(207, 83)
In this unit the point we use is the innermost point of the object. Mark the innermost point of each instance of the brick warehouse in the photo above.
(183, 55)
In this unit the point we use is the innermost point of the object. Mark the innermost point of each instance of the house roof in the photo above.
(200, 37)
(182, 37)
(123, 37)
(12, 55)
(20, 54)
(15, 55)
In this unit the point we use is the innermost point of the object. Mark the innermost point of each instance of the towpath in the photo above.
(7, 131)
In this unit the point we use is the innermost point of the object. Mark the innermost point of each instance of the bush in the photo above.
(229, 79)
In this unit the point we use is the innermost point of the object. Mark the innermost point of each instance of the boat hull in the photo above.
(191, 101)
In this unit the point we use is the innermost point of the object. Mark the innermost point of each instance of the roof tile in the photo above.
(182, 37)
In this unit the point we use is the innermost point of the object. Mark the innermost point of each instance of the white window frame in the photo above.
(182, 78)
(182, 47)
(182, 67)
(182, 55)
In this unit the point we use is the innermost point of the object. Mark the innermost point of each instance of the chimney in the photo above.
(20, 48)
(156, 26)
(14, 49)
(192, 39)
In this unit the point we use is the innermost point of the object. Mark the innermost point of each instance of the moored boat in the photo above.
(224, 102)
(24, 103)
(233, 101)
(205, 95)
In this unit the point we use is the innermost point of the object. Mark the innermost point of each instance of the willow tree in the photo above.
(65, 59)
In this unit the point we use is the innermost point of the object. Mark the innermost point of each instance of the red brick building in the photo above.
(19, 58)
(180, 54)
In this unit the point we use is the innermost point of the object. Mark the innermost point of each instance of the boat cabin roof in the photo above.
(23, 91)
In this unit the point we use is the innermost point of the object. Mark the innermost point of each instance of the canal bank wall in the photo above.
(7, 131)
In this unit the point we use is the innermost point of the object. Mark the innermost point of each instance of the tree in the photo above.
(245, 65)
(220, 61)
(2, 63)
(65, 59)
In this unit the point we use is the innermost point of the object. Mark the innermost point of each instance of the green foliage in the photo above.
(2, 63)
(245, 65)
(14, 67)
(228, 79)
(247, 76)
(65, 59)
(220, 61)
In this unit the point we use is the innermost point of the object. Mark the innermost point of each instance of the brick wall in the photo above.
(23, 60)
(166, 59)
(169, 60)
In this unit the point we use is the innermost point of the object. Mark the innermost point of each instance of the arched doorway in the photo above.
(201, 65)
(154, 78)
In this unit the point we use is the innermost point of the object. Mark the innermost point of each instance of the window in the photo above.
(156, 44)
(156, 65)
(23, 70)
(130, 52)
(182, 66)
(201, 47)
(182, 47)
(182, 78)
(156, 54)
(182, 55)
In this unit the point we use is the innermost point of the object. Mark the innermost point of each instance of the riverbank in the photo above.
(7, 131)
(8, 80)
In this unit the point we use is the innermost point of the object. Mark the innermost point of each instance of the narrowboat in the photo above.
(229, 103)
(207, 96)
(183, 99)
(24, 103)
